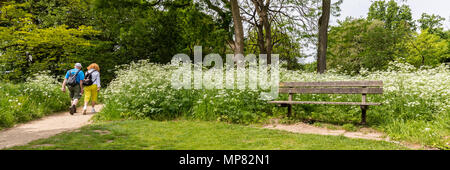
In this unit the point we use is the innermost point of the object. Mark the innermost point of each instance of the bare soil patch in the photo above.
(362, 133)
(102, 132)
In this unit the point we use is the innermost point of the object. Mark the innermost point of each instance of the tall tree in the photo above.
(238, 28)
(398, 20)
(392, 14)
(433, 23)
(358, 43)
(293, 23)
(26, 48)
(264, 28)
(427, 49)
(323, 36)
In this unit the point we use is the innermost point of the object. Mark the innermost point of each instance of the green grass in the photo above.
(196, 135)
(350, 127)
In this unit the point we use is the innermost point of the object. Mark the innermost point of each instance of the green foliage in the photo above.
(53, 13)
(311, 67)
(39, 96)
(140, 32)
(54, 34)
(387, 35)
(199, 28)
(432, 23)
(358, 43)
(393, 15)
(427, 49)
(27, 48)
(137, 32)
(286, 46)
(133, 30)
(350, 127)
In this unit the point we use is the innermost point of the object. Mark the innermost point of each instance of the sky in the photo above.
(360, 8)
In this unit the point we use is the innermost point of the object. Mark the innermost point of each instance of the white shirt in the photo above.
(95, 75)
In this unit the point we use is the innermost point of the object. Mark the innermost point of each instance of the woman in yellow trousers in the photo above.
(92, 86)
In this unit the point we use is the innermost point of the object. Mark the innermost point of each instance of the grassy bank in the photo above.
(416, 105)
(196, 135)
(39, 96)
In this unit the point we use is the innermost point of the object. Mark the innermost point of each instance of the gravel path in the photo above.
(43, 128)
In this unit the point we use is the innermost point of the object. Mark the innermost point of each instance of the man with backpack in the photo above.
(74, 81)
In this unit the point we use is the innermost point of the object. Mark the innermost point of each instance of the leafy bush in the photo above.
(143, 90)
(416, 105)
(40, 95)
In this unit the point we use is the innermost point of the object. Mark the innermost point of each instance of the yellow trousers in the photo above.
(90, 92)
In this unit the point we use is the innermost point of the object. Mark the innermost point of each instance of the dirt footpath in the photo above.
(363, 133)
(45, 127)
(310, 129)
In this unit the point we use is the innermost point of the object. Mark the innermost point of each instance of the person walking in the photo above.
(91, 86)
(74, 81)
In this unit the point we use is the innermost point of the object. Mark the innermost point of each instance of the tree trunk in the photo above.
(264, 28)
(423, 60)
(268, 36)
(323, 37)
(261, 44)
(238, 28)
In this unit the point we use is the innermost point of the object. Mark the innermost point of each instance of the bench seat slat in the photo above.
(317, 102)
(332, 90)
(333, 84)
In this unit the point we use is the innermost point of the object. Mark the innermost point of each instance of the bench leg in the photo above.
(363, 114)
(289, 111)
(290, 106)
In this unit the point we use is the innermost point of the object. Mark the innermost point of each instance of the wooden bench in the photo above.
(336, 87)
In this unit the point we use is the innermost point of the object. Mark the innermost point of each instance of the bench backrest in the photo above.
(335, 87)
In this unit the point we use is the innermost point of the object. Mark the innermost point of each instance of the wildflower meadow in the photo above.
(416, 105)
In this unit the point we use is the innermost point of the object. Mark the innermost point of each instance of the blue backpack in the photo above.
(72, 81)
